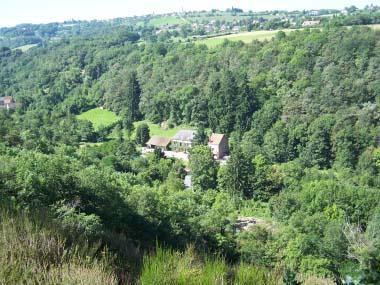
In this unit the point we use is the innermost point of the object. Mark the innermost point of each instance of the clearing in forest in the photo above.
(99, 117)
(246, 37)
(24, 48)
(156, 130)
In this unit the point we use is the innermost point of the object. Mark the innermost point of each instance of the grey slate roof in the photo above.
(184, 135)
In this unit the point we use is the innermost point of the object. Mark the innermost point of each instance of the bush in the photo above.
(247, 274)
(171, 267)
(142, 134)
(33, 254)
(174, 268)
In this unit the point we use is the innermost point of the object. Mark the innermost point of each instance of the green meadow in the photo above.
(156, 130)
(246, 37)
(24, 48)
(99, 117)
(171, 20)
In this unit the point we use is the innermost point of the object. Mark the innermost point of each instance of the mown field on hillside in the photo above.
(156, 130)
(171, 20)
(99, 117)
(26, 47)
(246, 37)
(102, 117)
(376, 27)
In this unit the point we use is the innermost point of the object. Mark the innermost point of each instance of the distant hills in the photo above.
(185, 25)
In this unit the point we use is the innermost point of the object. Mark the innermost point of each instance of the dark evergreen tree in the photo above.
(142, 134)
(203, 168)
(200, 137)
(124, 95)
(318, 150)
(223, 93)
(238, 174)
(246, 105)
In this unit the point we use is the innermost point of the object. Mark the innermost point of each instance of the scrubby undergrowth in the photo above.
(32, 254)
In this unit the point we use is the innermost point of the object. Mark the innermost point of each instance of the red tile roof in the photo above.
(216, 138)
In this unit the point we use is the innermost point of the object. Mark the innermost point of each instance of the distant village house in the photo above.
(219, 145)
(236, 29)
(311, 23)
(7, 103)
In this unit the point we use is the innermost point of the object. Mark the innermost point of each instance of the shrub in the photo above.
(34, 254)
(171, 267)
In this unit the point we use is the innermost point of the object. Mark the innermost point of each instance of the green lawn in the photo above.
(160, 21)
(246, 37)
(99, 117)
(26, 47)
(156, 130)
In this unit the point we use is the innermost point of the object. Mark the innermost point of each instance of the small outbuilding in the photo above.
(219, 145)
(159, 142)
(310, 23)
(7, 102)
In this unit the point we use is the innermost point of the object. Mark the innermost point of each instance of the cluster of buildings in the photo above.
(281, 19)
(214, 27)
(7, 102)
(183, 140)
(168, 28)
(311, 23)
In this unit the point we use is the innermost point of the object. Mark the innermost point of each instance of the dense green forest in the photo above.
(302, 113)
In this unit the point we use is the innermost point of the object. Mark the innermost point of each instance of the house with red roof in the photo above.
(219, 145)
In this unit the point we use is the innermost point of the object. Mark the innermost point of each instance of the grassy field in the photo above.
(26, 47)
(160, 21)
(156, 130)
(99, 117)
(246, 37)
(376, 27)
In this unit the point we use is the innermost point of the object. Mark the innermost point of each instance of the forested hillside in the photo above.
(302, 113)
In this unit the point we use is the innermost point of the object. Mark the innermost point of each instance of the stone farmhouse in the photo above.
(311, 23)
(219, 145)
(183, 140)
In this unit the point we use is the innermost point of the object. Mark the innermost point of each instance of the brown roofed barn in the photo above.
(158, 142)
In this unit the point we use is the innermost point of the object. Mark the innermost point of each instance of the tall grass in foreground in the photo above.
(175, 268)
(247, 274)
(32, 254)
